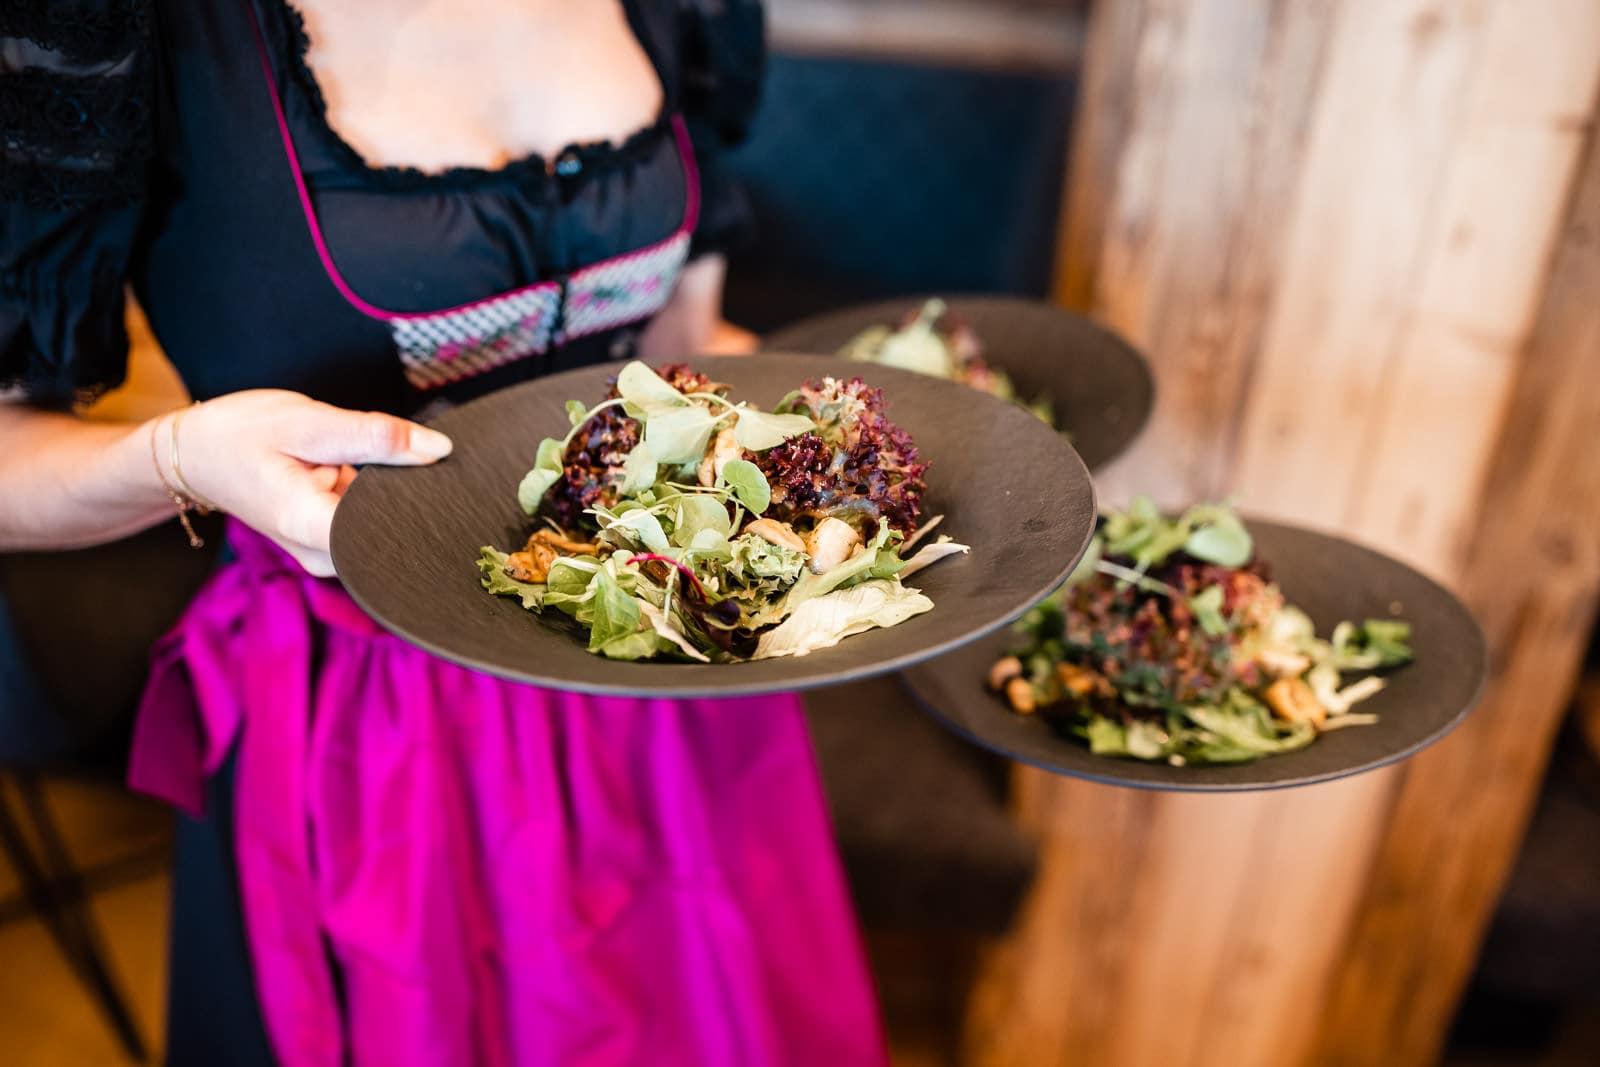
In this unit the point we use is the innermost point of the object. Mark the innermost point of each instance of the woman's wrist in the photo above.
(73, 483)
(166, 459)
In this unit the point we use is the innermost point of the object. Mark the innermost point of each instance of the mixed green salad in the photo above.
(936, 341)
(1171, 642)
(676, 523)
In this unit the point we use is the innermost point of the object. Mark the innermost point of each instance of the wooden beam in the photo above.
(1328, 223)
(1533, 580)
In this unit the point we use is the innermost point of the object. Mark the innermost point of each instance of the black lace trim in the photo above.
(80, 377)
(592, 158)
(71, 140)
(95, 121)
(82, 32)
(60, 189)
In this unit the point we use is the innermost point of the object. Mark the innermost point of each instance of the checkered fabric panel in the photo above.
(448, 346)
(624, 289)
(451, 345)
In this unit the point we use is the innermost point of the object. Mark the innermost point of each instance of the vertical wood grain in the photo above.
(1533, 580)
(1328, 223)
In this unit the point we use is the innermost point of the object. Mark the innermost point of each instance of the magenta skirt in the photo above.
(441, 868)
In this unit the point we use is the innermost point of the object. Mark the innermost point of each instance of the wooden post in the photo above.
(1357, 239)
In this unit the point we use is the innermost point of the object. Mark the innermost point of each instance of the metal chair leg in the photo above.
(54, 890)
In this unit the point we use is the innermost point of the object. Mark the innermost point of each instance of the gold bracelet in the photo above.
(205, 506)
(181, 502)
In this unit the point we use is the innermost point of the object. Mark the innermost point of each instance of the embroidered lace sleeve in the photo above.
(76, 99)
(722, 60)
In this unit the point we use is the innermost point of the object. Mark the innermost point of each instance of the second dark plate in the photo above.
(1100, 386)
(1331, 579)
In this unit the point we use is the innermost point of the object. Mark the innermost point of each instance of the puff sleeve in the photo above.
(76, 140)
(722, 62)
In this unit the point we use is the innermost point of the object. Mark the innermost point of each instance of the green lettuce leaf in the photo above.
(1373, 644)
(916, 347)
(826, 620)
(876, 561)
(928, 555)
(613, 613)
(753, 559)
(1244, 723)
(492, 562)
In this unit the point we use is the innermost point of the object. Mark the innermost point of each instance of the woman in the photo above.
(336, 218)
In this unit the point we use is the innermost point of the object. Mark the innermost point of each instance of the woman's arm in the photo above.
(278, 461)
(692, 323)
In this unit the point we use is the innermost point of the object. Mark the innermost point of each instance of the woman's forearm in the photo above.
(66, 482)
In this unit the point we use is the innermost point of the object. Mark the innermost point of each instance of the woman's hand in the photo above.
(692, 324)
(280, 461)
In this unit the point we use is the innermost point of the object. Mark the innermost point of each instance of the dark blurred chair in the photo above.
(872, 179)
(75, 635)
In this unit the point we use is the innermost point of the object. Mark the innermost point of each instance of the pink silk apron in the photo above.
(439, 868)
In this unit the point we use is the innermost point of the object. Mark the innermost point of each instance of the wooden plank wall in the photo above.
(1358, 239)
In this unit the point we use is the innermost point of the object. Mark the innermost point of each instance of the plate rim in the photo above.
(819, 680)
(1480, 647)
(773, 343)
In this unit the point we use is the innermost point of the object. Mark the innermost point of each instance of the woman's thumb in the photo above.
(337, 436)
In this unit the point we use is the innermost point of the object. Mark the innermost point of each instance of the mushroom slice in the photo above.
(1292, 700)
(1003, 671)
(830, 544)
(724, 448)
(1020, 695)
(778, 533)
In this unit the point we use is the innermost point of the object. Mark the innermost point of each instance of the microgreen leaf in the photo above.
(1223, 541)
(575, 412)
(757, 431)
(639, 471)
(545, 473)
(697, 513)
(1207, 608)
(643, 387)
(679, 435)
(748, 483)
(643, 527)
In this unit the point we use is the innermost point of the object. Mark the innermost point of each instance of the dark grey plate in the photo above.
(405, 540)
(1100, 386)
(1331, 579)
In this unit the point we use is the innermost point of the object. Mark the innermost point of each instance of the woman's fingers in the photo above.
(305, 517)
(316, 564)
(730, 340)
(328, 435)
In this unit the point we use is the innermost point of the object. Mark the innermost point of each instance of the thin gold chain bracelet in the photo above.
(204, 505)
(184, 503)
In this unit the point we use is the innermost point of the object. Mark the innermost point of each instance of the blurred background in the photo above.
(1359, 241)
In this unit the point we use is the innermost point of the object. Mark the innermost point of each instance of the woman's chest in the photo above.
(477, 82)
